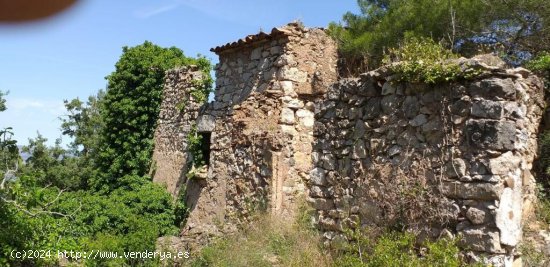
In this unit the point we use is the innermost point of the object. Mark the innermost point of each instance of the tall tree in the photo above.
(8, 147)
(515, 29)
(83, 123)
(130, 107)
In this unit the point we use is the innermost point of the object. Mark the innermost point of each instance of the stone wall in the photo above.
(438, 160)
(262, 128)
(450, 159)
(178, 112)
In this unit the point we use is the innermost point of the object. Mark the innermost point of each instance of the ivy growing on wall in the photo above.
(131, 106)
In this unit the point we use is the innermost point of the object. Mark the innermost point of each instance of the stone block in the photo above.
(292, 74)
(388, 88)
(317, 176)
(456, 168)
(419, 120)
(327, 223)
(461, 107)
(482, 239)
(394, 150)
(487, 109)
(494, 89)
(329, 161)
(205, 123)
(321, 203)
(293, 103)
(287, 86)
(359, 150)
(372, 109)
(287, 116)
(509, 213)
(390, 104)
(489, 134)
(256, 53)
(473, 191)
(411, 106)
(504, 164)
(478, 215)
(369, 88)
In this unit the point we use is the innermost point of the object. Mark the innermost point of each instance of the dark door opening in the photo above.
(205, 146)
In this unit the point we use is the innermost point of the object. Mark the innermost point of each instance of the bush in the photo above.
(422, 60)
(130, 218)
(540, 63)
(395, 249)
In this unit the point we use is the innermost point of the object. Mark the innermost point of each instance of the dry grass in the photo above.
(268, 241)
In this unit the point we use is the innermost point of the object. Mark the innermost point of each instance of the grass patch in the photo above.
(271, 241)
(397, 249)
(268, 241)
(533, 257)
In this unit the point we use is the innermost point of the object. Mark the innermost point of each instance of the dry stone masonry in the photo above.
(261, 128)
(178, 113)
(452, 159)
(439, 160)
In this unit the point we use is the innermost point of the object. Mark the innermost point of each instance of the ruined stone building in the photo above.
(442, 159)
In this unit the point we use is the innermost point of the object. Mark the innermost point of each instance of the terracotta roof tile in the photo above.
(260, 37)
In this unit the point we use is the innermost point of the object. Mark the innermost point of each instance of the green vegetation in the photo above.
(95, 195)
(270, 241)
(130, 110)
(512, 29)
(421, 60)
(396, 249)
(203, 87)
(540, 63)
(194, 143)
(533, 257)
(267, 241)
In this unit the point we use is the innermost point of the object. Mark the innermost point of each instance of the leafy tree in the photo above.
(8, 147)
(54, 202)
(2, 101)
(54, 166)
(83, 123)
(26, 216)
(513, 28)
(130, 107)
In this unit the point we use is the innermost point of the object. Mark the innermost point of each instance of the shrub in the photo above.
(395, 249)
(540, 63)
(422, 60)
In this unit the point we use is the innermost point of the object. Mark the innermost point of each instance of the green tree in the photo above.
(54, 166)
(130, 107)
(50, 201)
(9, 153)
(2, 101)
(513, 28)
(83, 123)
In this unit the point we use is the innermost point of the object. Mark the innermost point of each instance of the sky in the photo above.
(43, 63)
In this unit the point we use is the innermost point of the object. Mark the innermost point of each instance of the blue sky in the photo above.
(43, 63)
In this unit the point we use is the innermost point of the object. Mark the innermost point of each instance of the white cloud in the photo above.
(148, 12)
(27, 116)
(29, 105)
